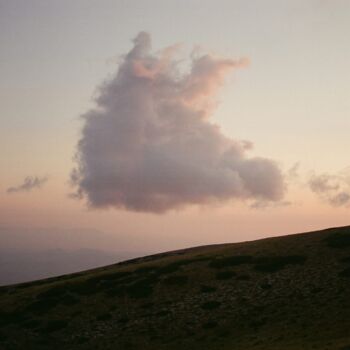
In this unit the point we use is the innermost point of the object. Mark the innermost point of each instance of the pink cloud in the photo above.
(149, 145)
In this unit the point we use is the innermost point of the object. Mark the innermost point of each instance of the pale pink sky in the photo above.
(291, 102)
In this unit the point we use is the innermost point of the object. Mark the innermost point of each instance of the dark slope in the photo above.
(290, 292)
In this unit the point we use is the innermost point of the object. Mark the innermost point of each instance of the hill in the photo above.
(290, 292)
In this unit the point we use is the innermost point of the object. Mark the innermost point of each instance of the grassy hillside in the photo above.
(285, 293)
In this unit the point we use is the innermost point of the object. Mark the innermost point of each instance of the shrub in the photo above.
(230, 261)
(207, 289)
(173, 267)
(345, 260)
(345, 273)
(139, 291)
(43, 305)
(70, 299)
(145, 269)
(176, 265)
(14, 317)
(5, 290)
(225, 275)
(224, 333)
(243, 278)
(257, 323)
(106, 284)
(266, 285)
(56, 325)
(141, 288)
(178, 280)
(108, 277)
(116, 292)
(96, 284)
(147, 305)
(210, 305)
(210, 324)
(162, 313)
(57, 291)
(338, 240)
(104, 317)
(32, 324)
(276, 263)
(51, 297)
(124, 320)
(81, 339)
(84, 288)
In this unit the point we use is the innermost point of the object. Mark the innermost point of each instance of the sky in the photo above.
(82, 80)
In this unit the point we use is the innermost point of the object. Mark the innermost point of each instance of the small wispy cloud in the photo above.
(293, 172)
(332, 188)
(28, 184)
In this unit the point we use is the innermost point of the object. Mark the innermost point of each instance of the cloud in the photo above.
(149, 145)
(293, 172)
(29, 183)
(334, 189)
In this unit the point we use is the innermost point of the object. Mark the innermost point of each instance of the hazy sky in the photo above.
(291, 102)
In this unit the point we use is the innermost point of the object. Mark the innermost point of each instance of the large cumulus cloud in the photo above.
(149, 145)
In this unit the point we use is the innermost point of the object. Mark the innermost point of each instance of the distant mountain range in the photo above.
(21, 265)
(33, 253)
